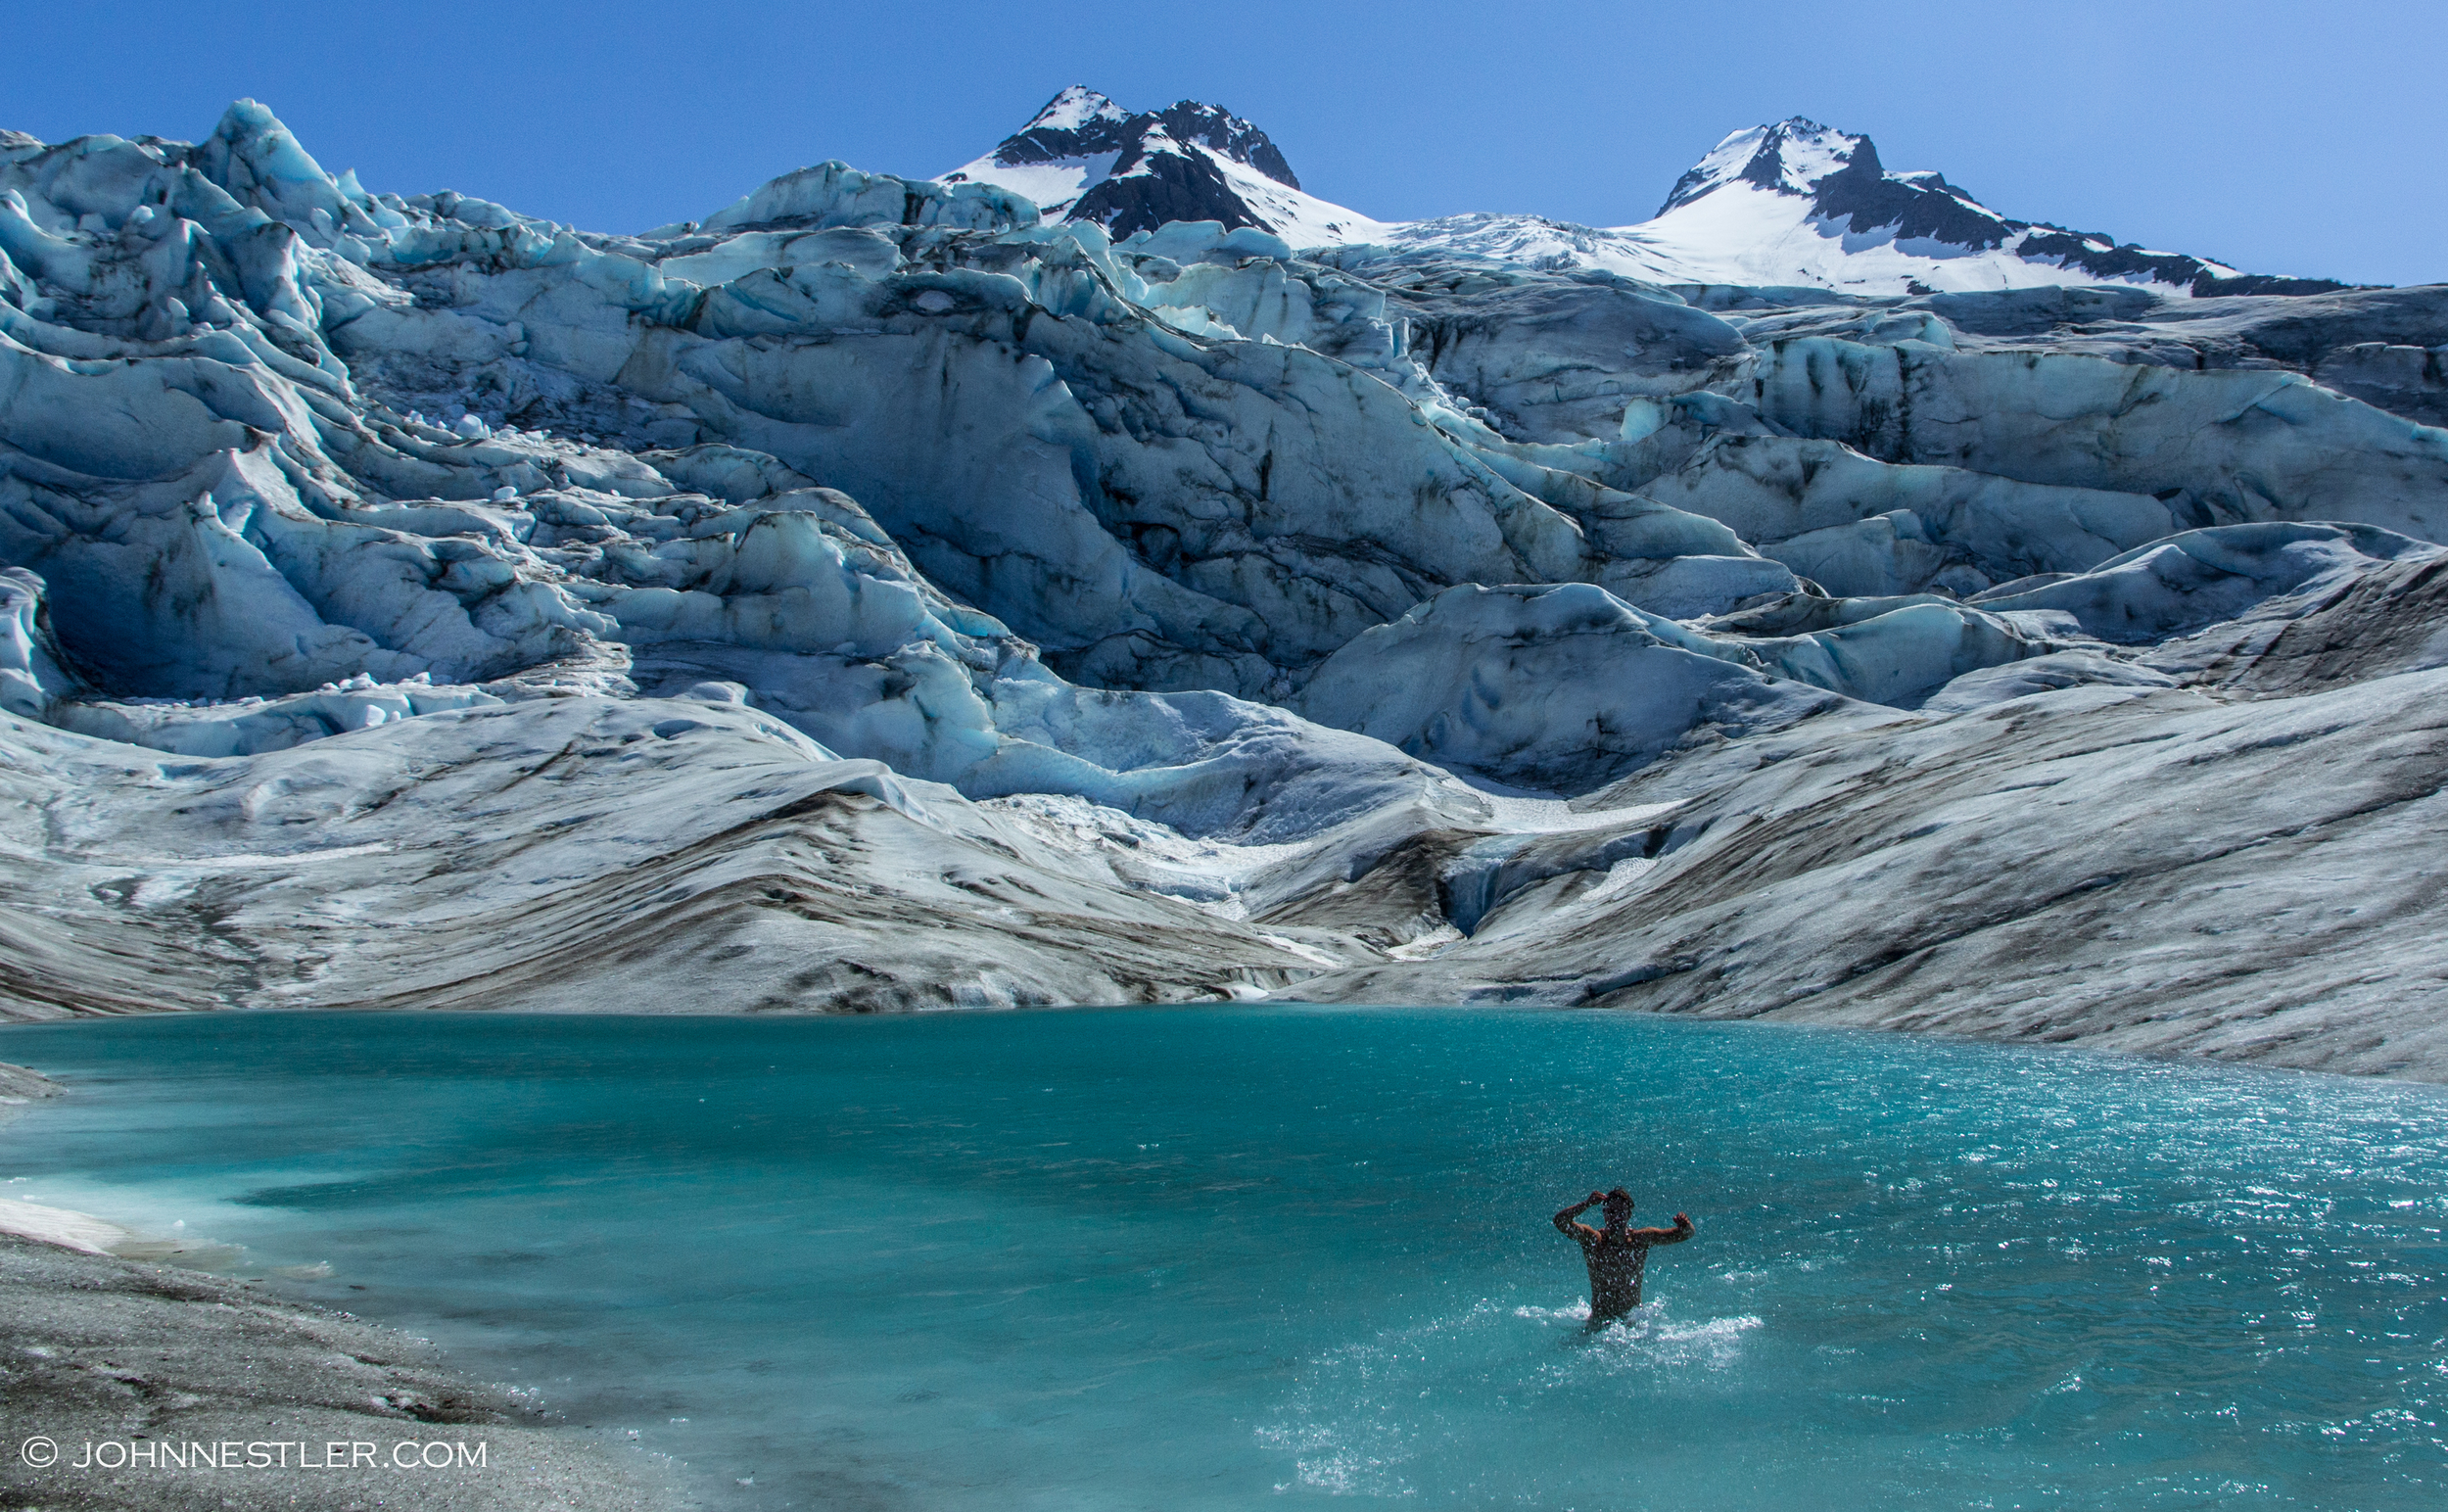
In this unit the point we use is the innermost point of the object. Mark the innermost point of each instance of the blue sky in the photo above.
(2281, 137)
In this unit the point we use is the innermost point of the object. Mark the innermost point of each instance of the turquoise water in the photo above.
(1233, 1256)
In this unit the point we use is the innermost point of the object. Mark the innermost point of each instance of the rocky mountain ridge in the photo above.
(1791, 203)
(1840, 174)
(1085, 159)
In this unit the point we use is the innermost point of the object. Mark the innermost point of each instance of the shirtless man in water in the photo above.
(1617, 1254)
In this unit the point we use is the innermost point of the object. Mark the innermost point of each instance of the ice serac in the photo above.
(1566, 687)
(31, 680)
(1563, 687)
(2226, 574)
(2229, 445)
(1860, 527)
(885, 594)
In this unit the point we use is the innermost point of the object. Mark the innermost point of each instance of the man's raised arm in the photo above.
(1666, 1236)
(1564, 1219)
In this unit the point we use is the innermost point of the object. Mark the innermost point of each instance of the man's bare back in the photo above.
(1617, 1254)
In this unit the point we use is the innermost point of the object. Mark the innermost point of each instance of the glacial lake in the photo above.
(1236, 1257)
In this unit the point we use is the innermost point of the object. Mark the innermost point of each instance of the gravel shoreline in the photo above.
(166, 1390)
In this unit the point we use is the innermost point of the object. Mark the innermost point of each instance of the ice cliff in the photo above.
(887, 594)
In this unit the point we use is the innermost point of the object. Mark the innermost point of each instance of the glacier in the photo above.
(1110, 574)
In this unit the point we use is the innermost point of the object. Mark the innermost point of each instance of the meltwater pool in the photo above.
(1243, 1257)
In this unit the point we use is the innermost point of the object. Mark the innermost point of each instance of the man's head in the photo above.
(1618, 1208)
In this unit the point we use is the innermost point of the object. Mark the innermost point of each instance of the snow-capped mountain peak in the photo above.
(1797, 202)
(1790, 156)
(1840, 174)
(1084, 157)
(1789, 202)
(1075, 109)
(1079, 124)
